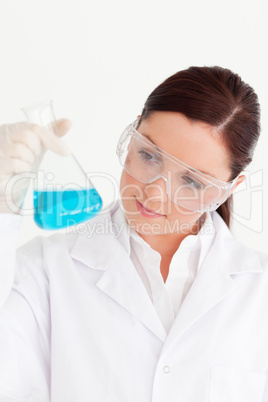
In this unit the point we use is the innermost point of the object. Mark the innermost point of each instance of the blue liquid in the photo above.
(59, 209)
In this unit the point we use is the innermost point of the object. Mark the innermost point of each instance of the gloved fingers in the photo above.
(22, 146)
(22, 134)
(52, 142)
(61, 126)
(36, 137)
(20, 166)
(9, 166)
(18, 151)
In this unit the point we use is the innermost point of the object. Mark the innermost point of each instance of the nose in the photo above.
(157, 190)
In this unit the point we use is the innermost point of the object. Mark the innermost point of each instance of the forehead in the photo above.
(195, 143)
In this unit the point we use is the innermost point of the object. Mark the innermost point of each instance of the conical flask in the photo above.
(63, 194)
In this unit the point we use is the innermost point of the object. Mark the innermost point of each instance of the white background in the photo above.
(99, 60)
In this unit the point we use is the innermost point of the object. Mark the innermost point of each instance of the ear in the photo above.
(239, 180)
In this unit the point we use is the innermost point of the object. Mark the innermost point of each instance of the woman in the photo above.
(166, 306)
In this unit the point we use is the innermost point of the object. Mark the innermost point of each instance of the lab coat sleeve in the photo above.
(24, 318)
(9, 230)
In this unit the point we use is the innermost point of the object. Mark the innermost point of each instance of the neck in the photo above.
(168, 244)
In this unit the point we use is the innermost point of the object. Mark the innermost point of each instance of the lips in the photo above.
(147, 212)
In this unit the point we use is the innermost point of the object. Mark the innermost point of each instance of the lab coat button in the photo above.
(166, 369)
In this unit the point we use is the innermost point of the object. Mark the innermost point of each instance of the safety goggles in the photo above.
(185, 186)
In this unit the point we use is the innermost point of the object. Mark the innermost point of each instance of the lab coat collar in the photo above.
(97, 231)
(99, 248)
(108, 229)
(237, 258)
(215, 279)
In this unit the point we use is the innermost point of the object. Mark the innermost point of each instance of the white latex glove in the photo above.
(22, 146)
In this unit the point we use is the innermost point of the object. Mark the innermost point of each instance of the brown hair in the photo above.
(219, 97)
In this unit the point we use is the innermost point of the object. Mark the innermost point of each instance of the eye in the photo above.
(148, 157)
(193, 183)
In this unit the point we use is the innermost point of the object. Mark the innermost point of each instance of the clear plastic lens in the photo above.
(184, 186)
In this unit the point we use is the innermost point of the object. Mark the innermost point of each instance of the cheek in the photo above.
(177, 216)
(130, 187)
(129, 190)
(182, 215)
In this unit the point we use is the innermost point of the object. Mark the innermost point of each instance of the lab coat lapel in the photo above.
(211, 286)
(100, 250)
(214, 281)
(122, 283)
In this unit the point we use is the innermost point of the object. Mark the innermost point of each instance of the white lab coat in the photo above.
(79, 326)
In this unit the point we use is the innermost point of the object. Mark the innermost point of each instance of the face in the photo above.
(146, 205)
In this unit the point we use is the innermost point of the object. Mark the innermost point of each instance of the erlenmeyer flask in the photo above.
(63, 194)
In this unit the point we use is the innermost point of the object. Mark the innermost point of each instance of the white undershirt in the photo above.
(166, 297)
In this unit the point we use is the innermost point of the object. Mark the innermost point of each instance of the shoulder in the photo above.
(95, 230)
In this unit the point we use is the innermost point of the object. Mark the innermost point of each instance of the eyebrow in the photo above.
(149, 138)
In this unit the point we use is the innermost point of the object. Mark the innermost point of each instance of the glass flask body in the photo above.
(63, 194)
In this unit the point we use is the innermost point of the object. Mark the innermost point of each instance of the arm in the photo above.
(24, 288)
(24, 318)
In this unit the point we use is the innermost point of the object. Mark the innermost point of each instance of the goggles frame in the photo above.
(223, 187)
